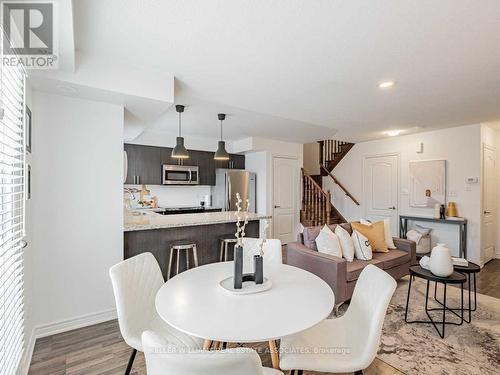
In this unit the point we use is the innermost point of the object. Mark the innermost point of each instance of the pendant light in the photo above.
(179, 151)
(221, 153)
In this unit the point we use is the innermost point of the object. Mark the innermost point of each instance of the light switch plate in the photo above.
(472, 180)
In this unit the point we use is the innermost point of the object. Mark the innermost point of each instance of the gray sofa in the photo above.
(340, 274)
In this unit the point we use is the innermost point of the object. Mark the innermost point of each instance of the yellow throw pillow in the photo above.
(375, 235)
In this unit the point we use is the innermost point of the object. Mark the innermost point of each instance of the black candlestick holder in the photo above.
(258, 269)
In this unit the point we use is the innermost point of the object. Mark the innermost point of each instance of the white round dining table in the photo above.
(193, 302)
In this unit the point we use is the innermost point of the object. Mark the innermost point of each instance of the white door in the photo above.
(381, 188)
(489, 203)
(285, 184)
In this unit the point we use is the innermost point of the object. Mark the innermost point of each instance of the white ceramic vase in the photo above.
(440, 263)
(437, 211)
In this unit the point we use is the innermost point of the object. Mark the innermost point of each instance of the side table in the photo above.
(470, 272)
(454, 278)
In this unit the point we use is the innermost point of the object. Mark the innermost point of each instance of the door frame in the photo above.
(271, 192)
(398, 181)
(484, 146)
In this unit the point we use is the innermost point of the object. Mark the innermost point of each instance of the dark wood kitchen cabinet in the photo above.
(206, 164)
(144, 164)
(235, 161)
(166, 156)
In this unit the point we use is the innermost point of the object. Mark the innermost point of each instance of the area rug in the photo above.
(417, 349)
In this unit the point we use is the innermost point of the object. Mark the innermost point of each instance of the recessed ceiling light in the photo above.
(393, 133)
(386, 84)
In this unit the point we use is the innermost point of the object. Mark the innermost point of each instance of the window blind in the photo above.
(12, 208)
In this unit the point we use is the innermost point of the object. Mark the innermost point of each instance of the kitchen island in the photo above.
(151, 232)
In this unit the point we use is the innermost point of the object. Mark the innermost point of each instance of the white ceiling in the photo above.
(294, 69)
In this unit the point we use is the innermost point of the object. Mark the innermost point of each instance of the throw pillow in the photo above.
(388, 235)
(422, 230)
(375, 234)
(345, 243)
(387, 231)
(362, 248)
(327, 242)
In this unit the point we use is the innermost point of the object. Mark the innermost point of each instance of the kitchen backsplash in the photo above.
(173, 196)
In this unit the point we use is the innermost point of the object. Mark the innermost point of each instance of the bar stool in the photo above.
(224, 246)
(178, 247)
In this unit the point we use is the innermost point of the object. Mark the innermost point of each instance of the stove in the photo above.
(185, 210)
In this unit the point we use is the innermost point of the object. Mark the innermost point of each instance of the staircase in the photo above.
(331, 152)
(317, 208)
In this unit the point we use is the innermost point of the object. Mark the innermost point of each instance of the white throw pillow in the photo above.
(388, 235)
(422, 230)
(362, 247)
(345, 243)
(327, 242)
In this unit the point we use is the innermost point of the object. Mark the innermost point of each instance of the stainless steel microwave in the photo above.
(180, 175)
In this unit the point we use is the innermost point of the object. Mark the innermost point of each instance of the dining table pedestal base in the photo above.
(273, 349)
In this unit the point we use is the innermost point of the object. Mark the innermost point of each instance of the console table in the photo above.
(462, 225)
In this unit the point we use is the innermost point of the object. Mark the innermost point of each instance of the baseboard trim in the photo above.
(59, 327)
(28, 353)
(74, 323)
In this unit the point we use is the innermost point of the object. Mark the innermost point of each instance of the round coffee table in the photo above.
(454, 278)
(470, 272)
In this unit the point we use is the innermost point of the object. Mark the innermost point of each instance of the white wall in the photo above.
(460, 147)
(311, 158)
(259, 153)
(257, 162)
(77, 211)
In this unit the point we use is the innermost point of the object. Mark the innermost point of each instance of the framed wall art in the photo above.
(427, 183)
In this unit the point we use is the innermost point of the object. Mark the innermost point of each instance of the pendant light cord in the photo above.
(221, 130)
(179, 124)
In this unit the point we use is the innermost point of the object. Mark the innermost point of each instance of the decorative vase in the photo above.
(258, 269)
(452, 209)
(238, 267)
(437, 211)
(257, 276)
(440, 263)
(424, 262)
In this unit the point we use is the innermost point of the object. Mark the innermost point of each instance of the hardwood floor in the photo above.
(100, 349)
(488, 280)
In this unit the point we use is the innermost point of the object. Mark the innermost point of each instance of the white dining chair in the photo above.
(163, 358)
(272, 252)
(135, 283)
(348, 343)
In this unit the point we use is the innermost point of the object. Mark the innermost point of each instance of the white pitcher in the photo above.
(440, 263)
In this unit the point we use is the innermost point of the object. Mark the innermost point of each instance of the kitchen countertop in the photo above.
(146, 219)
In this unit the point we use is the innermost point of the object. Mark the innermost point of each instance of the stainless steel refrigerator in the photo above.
(228, 182)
